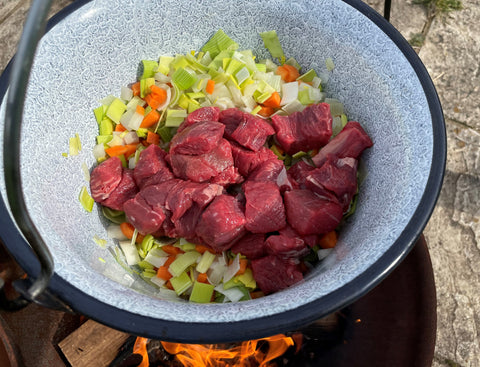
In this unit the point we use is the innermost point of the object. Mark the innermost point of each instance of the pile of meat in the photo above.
(219, 185)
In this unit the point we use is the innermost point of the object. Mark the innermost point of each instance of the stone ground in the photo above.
(451, 53)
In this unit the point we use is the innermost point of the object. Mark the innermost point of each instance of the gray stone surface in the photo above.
(451, 54)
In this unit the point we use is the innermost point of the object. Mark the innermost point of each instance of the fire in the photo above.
(258, 352)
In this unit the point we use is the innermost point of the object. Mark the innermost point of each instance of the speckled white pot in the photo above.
(95, 50)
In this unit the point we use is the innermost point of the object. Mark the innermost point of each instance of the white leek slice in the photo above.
(232, 269)
(205, 262)
(131, 138)
(215, 273)
(159, 282)
(323, 253)
(156, 261)
(114, 232)
(289, 93)
(294, 106)
(130, 252)
(232, 294)
(126, 93)
(99, 151)
(116, 140)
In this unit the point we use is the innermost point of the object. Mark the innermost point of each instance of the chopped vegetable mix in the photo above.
(151, 111)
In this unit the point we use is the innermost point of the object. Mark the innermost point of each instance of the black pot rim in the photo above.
(264, 326)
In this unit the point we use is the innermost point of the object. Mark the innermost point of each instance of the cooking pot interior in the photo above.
(96, 50)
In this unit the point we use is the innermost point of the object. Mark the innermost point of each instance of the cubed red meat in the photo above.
(203, 167)
(303, 131)
(350, 142)
(267, 171)
(221, 223)
(251, 245)
(105, 178)
(264, 209)
(199, 138)
(298, 172)
(151, 167)
(337, 175)
(125, 190)
(247, 160)
(273, 274)
(288, 244)
(247, 130)
(309, 213)
(142, 216)
(199, 115)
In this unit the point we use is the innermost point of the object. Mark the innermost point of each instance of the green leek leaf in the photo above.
(219, 42)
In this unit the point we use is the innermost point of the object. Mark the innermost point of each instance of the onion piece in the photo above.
(114, 232)
(232, 269)
(289, 93)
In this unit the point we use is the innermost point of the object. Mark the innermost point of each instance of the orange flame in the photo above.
(209, 355)
(140, 347)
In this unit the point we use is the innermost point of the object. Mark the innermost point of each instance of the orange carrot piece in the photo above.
(210, 86)
(163, 273)
(136, 89)
(151, 119)
(116, 150)
(170, 260)
(172, 250)
(202, 248)
(140, 110)
(153, 138)
(131, 149)
(288, 73)
(169, 285)
(266, 111)
(328, 240)
(273, 101)
(158, 91)
(256, 294)
(128, 230)
(157, 97)
(202, 278)
(120, 128)
(243, 266)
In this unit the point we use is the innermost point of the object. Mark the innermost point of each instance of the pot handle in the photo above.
(34, 29)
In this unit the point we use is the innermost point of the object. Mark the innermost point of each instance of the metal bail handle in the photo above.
(34, 29)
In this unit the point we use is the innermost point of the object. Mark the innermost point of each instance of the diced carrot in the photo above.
(172, 250)
(170, 260)
(157, 97)
(266, 111)
(243, 266)
(151, 119)
(120, 128)
(136, 88)
(140, 110)
(169, 285)
(116, 150)
(128, 230)
(273, 101)
(210, 86)
(314, 152)
(202, 248)
(153, 138)
(256, 294)
(163, 273)
(288, 73)
(328, 240)
(202, 278)
(131, 149)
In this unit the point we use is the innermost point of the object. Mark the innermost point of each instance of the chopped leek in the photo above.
(116, 110)
(219, 42)
(130, 252)
(329, 64)
(85, 199)
(205, 262)
(182, 262)
(201, 292)
(181, 283)
(150, 67)
(184, 78)
(272, 44)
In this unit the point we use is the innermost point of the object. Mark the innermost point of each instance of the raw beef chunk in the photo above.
(105, 178)
(143, 217)
(338, 176)
(308, 213)
(350, 142)
(264, 208)
(247, 160)
(251, 245)
(288, 244)
(247, 130)
(126, 189)
(202, 114)
(203, 167)
(298, 172)
(267, 171)
(197, 139)
(303, 131)
(274, 274)
(151, 167)
(222, 223)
